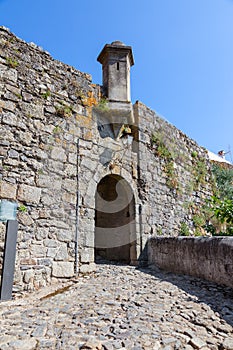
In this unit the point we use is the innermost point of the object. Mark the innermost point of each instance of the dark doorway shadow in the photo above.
(115, 220)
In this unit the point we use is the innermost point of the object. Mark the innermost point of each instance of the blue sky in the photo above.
(183, 52)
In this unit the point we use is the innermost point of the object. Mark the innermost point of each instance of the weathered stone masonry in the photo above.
(63, 146)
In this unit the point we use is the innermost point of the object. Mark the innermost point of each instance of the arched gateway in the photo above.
(115, 228)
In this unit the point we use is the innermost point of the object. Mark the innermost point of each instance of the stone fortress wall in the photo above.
(67, 153)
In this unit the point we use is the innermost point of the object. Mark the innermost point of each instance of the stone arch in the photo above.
(115, 220)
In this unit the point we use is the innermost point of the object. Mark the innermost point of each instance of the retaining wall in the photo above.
(207, 258)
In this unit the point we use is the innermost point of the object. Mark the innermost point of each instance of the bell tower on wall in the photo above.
(116, 59)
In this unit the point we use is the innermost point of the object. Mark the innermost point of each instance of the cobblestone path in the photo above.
(122, 307)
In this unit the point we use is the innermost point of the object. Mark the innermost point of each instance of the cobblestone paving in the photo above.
(122, 307)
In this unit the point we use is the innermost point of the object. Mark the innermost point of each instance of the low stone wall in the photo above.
(207, 258)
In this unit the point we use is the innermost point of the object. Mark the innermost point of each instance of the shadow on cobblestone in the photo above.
(216, 297)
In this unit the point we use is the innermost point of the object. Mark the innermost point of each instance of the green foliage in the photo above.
(190, 187)
(57, 129)
(184, 229)
(197, 232)
(221, 204)
(229, 232)
(221, 221)
(22, 208)
(126, 130)
(223, 210)
(200, 172)
(224, 181)
(161, 150)
(103, 104)
(19, 96)
(80, 94)
(194, 154)
(64, 110)
(11, 62)
(46, 94)
(199, 220)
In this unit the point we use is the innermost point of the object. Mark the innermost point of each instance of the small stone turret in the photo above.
(116, 59)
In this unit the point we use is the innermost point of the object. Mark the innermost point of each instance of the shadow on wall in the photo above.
(218, 298)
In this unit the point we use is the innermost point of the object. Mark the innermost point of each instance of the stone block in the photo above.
(63, 269)
(38, 250)
(26, 344)
(227, 344)
(58, 153)
(65, 235)
(42, 233)
(72, 158)
(51, 252)
(8, 73)
(50, 243)
(70, 185)
(9, 118)
(7, 190)
(8, 105)
(87, 255)
(29, 194)
(28, 276)
(62, 254)
(44, 262)
(69, 198)
(25, 138)
(25, 219)
(32, 110)
(89, 164)
(13, 154)
(70, 170)
(49, 200)
(197, 343)
(48, 182)
(87, 268)
(28, 261)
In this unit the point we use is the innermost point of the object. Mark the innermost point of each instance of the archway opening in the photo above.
(115, 229)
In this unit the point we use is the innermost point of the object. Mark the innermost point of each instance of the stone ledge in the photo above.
(207, 258)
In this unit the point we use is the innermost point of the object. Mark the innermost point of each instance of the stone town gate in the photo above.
(93, 175)
(115, 228)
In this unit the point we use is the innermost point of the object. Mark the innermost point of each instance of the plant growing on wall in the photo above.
(46, 94)
(103, 104)
(184, 229)
(162, 151)
(199, 172)
(11, 62)
(22, 208)
(64, 110)
(57, 129)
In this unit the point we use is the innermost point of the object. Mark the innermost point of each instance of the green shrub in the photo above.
(199, 220)
(224, 181)
(184, 229)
